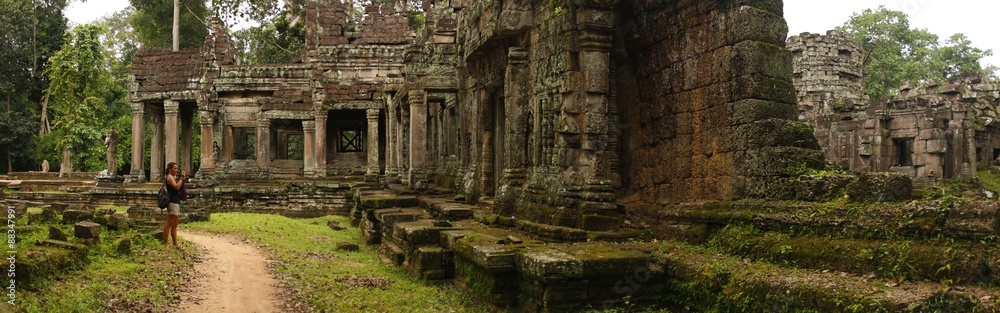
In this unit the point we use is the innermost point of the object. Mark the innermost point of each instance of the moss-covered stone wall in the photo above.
(713, 117)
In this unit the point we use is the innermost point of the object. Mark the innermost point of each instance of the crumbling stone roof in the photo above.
(161, 70)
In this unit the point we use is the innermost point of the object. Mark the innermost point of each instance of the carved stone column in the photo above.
(595, 20)
(390, 140)
(187, 139)
(138, 142)
(210, 150)
(156, 162)
(170, 110)
(516, 97)
(263, 143)
(308, 153)
(418, 137)
(320, 148)
(372, 146)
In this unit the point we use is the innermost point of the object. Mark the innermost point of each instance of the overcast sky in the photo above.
(941, 17)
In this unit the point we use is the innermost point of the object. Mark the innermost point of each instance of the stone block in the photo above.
(118, 221)
(757, 86)
(747, 23)
(59, 207)
(56, 234)
(548, 264)
(48, 215)
(71, 216)
(880, 187)
(782, 161)
(429, 258)
(201, 216)
(124, 245)
(602, 223)
(87, 230)
(752, 110)
(564, 295)
(334, 225)
(489, 256)
(449, 237)
(420, 232)
(753, 57)
(347, 246)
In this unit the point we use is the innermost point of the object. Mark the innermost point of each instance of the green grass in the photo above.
(989, 180)
(148, 279)
(306, 255)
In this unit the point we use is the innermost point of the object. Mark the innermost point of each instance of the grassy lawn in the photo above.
(149, 279)
(336, 281)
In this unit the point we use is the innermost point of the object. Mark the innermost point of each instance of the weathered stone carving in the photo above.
(111, 143)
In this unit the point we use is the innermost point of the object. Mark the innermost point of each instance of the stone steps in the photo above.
(706, 280)
(960, 262)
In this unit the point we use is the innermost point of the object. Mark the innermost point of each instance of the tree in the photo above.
(896, 53)
(275, 42)
(958, 57)
(153, 22)
(84, 98)
(31, 31)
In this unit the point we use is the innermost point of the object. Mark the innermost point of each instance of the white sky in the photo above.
(941, 17)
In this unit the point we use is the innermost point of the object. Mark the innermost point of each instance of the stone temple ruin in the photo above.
(939, 131)
(555, 155)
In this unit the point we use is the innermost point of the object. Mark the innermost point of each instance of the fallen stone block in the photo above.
(334, 225)
(73, 216)
(201, 216)
(347, 246)
(56, 234)
(87, 230)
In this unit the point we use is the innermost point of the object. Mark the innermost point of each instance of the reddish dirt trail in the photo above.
(232, 277)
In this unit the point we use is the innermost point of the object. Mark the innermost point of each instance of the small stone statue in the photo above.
(45, 166)
(215, 152)
(111, 142)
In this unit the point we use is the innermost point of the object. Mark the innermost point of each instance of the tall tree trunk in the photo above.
(43, 126)
(177, 25)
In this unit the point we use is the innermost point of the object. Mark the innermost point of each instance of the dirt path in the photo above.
(232, 278)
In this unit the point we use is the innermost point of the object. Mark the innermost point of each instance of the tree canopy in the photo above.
(31, 31)
(895, 53)
(86, 99)
(153, 22)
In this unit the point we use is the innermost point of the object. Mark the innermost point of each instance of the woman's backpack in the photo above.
(163, 198)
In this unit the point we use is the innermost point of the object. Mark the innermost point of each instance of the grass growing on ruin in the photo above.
(989, 180)
(149, 278)
(337, 281)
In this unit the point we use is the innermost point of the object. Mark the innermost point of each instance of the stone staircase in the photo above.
(763, 256)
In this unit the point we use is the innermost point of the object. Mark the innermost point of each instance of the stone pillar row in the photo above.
(263, 143)
(166, 136)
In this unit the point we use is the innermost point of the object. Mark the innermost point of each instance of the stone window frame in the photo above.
(245, 143)
(904, 150)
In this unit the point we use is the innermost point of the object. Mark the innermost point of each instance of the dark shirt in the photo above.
(175, 195)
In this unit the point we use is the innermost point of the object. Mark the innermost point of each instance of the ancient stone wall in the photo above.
(939, 130)
(927, 133)
(827, 73)
(715, 102)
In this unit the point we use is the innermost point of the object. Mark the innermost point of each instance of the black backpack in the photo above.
(163, 198)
